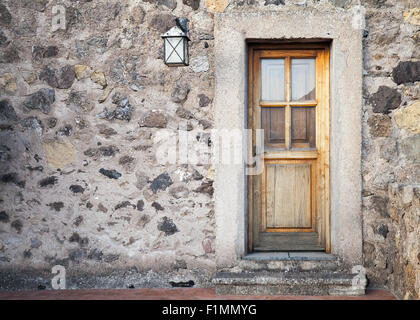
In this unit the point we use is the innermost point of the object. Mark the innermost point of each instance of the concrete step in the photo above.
(289, 273)
(286, 283)
(288, 261)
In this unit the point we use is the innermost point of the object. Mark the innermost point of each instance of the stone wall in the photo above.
(80, 110)
(391, 146)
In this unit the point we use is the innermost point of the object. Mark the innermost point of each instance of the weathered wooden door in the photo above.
(288, 203)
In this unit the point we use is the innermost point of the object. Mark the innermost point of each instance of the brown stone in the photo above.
(78, 101)
(380, 125)
(184, 113)
(127, 162)
(106, 131)
(7, 112)
(385, 100)
(40, 100)
(10, 55)
(39, 53)
(105, 95)
(194, 4)
(99, 78)
(62, 78)
(281, 2)
(412, 16)
(217, 5)
(82, 71)
(154, 119)
(59, 153)
(162, 22)
(406, 72)
(5, 16)
(203, 100)
(102, 208)
(180, 91)
(8, 82)
(409, 118)
(206, 187)
(380, 205)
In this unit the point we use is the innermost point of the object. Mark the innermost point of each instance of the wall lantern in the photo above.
(176, 44)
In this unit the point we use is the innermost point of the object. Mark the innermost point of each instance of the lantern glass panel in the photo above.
(174, 50)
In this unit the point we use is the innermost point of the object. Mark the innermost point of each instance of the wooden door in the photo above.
(288, 203)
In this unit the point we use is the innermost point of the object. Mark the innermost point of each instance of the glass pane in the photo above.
(272, 79)
(303, 79)
(272, 121)
(174, 50)
(303, 127)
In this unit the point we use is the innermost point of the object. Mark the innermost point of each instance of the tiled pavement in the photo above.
(168, 294)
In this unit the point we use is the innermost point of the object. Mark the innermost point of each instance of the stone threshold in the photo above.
(289, 256)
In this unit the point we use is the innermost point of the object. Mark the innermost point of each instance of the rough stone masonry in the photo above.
(80, 108)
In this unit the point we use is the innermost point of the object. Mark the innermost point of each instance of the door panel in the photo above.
(303, 127)
(272, 121)
(289, 99)
(290, 208)
(270, 241)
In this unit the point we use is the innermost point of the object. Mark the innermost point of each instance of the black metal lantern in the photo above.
(176, 44)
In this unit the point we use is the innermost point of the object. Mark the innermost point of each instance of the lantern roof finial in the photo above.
(182, 23)
(180, 30)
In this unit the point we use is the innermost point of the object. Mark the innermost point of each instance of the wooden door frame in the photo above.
(254, 190)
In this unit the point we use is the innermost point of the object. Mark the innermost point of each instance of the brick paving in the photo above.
(169, 294)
